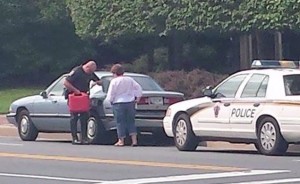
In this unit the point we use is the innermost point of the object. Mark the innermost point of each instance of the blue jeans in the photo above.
(124, 114)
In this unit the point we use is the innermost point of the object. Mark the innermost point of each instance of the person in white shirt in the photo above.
(123, 93)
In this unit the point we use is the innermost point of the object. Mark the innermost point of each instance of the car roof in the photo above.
(272, 71)
(107, 73)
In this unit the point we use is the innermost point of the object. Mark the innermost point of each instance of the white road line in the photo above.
(10, 144)
(290, 180)
(195, 177)
(50, 178)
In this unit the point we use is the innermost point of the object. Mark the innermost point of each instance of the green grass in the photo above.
(7, 96)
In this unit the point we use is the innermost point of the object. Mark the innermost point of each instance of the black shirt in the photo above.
(81, 80)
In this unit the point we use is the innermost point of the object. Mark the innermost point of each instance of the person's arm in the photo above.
(110, 93)
(71, 78)
(70, 87)
(138, 91)
(96, 80)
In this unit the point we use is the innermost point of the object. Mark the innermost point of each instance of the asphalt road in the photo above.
(52, 159)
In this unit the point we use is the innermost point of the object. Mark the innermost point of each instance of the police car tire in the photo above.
(99, 135)
(190, 142)
(280, 145)
(26, 129)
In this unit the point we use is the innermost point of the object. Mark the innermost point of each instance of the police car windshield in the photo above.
(292, 84)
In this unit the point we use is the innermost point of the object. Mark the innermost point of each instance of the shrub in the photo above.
(189, 83)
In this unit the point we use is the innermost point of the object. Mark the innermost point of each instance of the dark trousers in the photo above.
(83, 122)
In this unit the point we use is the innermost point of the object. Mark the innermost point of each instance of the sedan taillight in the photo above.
(172, 100)
(143, 101)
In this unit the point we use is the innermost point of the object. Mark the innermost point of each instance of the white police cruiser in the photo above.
(260, 106)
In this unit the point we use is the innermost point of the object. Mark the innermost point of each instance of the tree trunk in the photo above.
(175, 46)
(150, 57)
(278, 45)
(265, 48)
(245, 51)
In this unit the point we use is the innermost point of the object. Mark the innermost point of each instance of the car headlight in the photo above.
(168, 113)
(10, 109)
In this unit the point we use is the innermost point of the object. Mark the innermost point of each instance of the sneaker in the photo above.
(85, 142)
(76, 141)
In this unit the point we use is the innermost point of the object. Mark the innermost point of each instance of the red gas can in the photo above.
(79, 102)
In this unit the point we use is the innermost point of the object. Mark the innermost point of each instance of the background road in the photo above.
(52, 159)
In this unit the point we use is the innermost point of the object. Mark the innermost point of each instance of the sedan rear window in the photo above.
(147, 83)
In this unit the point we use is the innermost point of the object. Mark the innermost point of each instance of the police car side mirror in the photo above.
(207, 91)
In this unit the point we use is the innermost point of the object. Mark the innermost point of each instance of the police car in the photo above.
(259, 106)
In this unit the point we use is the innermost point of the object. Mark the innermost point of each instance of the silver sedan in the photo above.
(48, 112)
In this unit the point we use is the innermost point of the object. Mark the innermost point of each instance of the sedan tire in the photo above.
(270, 140)
(26, 129)
(185, 139)
(95, 130)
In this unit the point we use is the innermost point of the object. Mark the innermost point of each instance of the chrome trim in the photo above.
(11, 114)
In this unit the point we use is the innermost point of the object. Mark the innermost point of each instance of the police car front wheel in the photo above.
(185, 139)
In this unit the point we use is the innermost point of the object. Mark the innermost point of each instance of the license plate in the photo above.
(156, 100)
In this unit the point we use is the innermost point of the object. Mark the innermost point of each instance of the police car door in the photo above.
(214, 119)
(246, 108)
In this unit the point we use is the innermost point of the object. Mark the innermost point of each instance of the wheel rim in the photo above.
(24, 124)
(181, 132)
(268, 136)
(91, 127)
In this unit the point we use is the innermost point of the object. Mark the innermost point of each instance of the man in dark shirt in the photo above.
(78, 81)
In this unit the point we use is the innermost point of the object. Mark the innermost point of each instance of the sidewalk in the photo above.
(3, 119)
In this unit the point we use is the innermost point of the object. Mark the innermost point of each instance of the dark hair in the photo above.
(117, 69)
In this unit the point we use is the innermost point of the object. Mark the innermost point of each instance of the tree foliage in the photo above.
(37, 37)
(112, 18)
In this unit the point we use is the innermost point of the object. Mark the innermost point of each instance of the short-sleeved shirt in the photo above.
(81, 80)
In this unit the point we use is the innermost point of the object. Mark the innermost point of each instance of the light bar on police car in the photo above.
(274, 64)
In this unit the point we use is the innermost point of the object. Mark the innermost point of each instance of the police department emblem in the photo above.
(216, 110)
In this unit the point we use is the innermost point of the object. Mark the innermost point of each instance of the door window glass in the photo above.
(229, 88)
(256, 86)
(57, 89)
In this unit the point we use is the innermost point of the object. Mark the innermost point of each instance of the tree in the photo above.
(35, 41)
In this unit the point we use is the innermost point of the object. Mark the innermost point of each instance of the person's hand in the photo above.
(137, 99)
(77, 92)
(99, 82)
(96, 83)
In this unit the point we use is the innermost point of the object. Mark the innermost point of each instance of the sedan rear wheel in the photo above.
(96, 131)
(26, 129)
(185, 139)
(270, 140)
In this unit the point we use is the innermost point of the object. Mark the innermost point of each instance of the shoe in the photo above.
(85, 142)
(119, 144)
(134, 145)
(76, 142)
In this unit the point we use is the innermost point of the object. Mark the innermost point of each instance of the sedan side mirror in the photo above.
(44, 94)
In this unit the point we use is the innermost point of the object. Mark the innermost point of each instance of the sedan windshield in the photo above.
(147, 83)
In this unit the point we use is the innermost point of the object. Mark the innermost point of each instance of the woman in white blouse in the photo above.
(123, 93)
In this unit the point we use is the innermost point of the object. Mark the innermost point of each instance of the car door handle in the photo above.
(226, 104)
(256, 104)
(54, 101)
